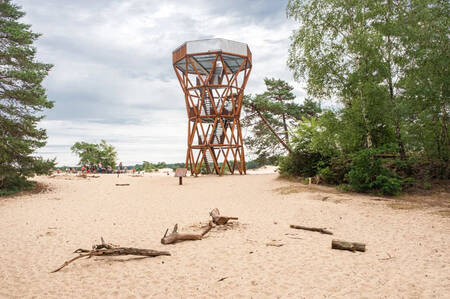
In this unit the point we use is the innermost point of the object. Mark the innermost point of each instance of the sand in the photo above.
(408, 250)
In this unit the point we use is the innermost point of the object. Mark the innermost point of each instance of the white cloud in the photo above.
(113, 76)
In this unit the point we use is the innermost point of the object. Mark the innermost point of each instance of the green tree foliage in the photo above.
(149, 167)
(275, 108)
(22, 98)
(92, 154)
(386, 65)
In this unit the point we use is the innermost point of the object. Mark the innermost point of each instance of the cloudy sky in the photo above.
(113, 77)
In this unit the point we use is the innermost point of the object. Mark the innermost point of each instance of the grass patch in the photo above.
(290, 189)
(403, 205)
(443, 213)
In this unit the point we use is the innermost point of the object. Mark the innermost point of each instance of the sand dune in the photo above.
(408, 251)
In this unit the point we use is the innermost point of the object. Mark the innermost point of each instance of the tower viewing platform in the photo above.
(213, 74)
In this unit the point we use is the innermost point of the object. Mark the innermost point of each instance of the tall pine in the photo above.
(22, 100)
(270, 116)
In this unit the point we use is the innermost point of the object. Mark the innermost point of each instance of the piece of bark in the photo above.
(351, 246)
(218, 219)
(110, 250)
(313, 229)
(175, 236)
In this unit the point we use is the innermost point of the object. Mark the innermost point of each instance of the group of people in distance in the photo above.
(100, 169)
(96, 169)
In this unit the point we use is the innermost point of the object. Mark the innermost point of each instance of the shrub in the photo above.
(13, 184)
(333, 171)
(367, 173)
(387, 185)
(302, 164)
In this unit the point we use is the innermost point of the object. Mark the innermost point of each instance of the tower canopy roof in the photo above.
(203, 52)
(215, 44)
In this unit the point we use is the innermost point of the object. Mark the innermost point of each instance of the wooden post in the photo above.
(181, 180)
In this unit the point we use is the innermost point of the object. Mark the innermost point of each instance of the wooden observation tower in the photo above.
(213, 74)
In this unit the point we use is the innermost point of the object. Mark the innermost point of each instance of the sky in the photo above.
(113, 77)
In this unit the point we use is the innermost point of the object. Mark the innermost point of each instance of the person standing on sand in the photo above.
(120, 169)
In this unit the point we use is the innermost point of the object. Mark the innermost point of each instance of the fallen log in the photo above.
(313, 229)
(219, 219)
(105, 249)
(175, 236)
(351, 246)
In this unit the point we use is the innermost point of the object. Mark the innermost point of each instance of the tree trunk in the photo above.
(444, 132)
(273, 131)
(286, 133)
(392, 97)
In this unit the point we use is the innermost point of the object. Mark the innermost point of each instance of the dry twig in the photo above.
(313, 229)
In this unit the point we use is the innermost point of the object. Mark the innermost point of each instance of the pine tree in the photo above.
(22, 99)
(270, 116)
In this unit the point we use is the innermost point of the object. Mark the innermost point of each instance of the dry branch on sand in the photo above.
(219, 219)
(175, 236)
(351, 246)
(122, 184)
(313, 229)
(106, 249)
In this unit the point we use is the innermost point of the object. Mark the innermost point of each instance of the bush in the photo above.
(334, 171)
(13, 184)
(302, 164)
(387, 185)
(367, 173)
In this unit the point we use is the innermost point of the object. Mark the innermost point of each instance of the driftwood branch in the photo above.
(351, 246)
(175, 236)
(313, 229)
(207, 229)
(105, 249)
(219, 219)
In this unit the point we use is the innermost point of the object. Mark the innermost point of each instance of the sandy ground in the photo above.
(408, 250)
